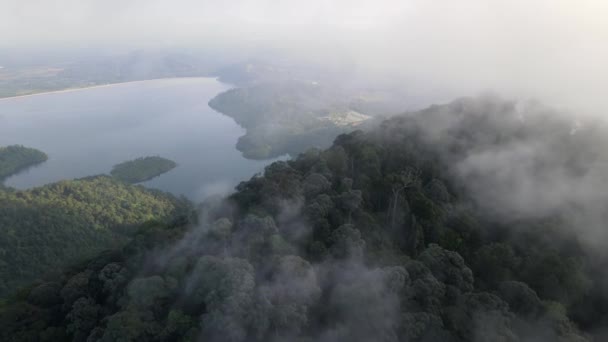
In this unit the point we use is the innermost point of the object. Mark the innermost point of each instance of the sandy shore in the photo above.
(68, 90)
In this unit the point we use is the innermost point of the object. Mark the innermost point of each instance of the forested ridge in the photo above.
(45, 228)
(410, 232)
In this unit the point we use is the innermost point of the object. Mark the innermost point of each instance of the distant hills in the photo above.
(288, 117)
(100, 70)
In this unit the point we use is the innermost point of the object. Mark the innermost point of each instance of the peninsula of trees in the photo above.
(142, 169)
(287, 117)
(16, 158)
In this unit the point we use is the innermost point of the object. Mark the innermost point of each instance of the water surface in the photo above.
(86, 132)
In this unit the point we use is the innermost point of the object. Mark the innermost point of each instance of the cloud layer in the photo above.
(549, 49)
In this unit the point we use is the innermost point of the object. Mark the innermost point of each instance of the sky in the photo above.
(554, 50)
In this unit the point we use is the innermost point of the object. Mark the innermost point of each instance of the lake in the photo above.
(85, 132)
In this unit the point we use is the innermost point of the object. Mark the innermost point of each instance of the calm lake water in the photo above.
(86, 132)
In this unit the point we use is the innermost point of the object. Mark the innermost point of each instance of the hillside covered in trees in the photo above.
(16, 158)
(289, 116)
(439, 225)
(46, 228)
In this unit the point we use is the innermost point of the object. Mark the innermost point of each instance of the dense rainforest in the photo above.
(142, 169)
(16, 158)
(427, 228)
(46, 228)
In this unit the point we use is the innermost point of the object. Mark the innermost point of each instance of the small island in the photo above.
(16, 158)
(142, 169)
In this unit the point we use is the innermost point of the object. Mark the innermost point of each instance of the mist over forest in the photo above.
(399, 171)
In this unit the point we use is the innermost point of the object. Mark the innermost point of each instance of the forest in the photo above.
(413, 231)
(16, 158)
(142, 169)
(47, 228)
(286, 117)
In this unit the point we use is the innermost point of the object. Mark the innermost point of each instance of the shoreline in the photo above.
(176, 189)
(69, 90)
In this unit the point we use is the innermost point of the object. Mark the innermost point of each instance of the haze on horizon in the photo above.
(553, 50)
(428, 170)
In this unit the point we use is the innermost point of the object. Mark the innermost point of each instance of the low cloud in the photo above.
(549, 49)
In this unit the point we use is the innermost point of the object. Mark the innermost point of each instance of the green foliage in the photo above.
(281, 118)
(45, 228)
(496, 262)
(142, 169)
(368, 241)
(16, 158)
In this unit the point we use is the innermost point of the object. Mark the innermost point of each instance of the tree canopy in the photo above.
(377, 238)
(16, 158)
(43, 229)
(142, 169)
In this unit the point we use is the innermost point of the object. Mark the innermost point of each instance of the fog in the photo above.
(553, 50)
(345, 245)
